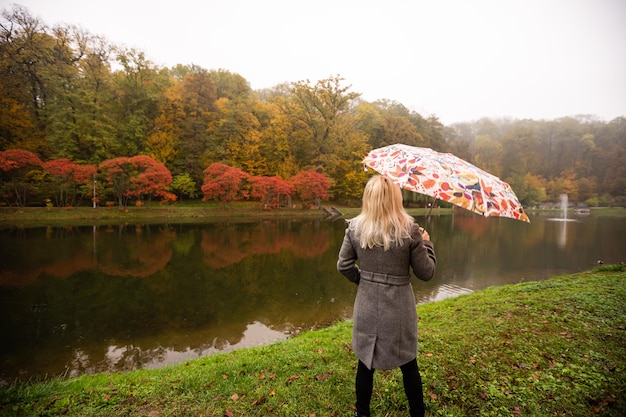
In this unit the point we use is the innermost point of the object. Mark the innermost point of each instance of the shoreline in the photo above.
(193, 213)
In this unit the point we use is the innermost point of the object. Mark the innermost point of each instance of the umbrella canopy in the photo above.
(448, 178)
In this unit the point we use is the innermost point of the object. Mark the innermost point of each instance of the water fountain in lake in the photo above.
(564, 201)
(562, 239)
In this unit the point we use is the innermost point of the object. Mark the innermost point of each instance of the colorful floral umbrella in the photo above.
(448, 178)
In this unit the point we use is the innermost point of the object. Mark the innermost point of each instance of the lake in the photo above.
(76, 300)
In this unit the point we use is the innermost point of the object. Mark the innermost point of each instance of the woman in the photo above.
(387, 243)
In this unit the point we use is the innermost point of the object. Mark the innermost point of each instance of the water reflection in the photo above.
(78, 300)
(132, 356)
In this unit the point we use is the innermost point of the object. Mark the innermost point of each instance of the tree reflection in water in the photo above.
(126, 297)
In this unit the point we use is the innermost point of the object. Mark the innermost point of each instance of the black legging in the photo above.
(412, 388)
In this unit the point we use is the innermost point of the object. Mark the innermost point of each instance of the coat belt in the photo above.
(385, 278)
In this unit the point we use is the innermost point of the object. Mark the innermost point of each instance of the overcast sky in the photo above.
(457, 59)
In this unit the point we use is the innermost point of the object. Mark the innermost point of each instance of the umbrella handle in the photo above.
(431, 208)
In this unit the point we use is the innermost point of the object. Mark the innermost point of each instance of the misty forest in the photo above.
(76, 110)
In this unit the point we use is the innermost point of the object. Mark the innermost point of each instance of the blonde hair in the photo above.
(383, 220)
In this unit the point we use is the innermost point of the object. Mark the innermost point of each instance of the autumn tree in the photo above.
(488, 154)
(56, 88)
(78, 121)
(185, 118)
(26, 48)
(275, 145)
(163, 143)
(230, 85)
(609, 160)
(389, 122)
(116, 174)
(329, 141)
(68, 182)
(149, 179)
(138, 176)
(20, 176)
(311, 187)
(269, 190)
(532, 191)
(521, 153)
(237, 129)
(16, 125)
(224, 183)
(318, 109)
(138, 89)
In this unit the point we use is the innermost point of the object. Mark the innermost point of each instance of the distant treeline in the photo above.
(66, 93)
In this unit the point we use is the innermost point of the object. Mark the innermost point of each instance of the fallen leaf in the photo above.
(433, 396)
(228, 413)
(292, 378)
(234, 397)
(323, 377)
(224, 376)
(260, 400)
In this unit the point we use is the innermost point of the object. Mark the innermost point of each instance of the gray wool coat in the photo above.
(384, 332)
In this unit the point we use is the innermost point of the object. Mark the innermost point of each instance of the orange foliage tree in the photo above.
(139, 176)
(150, 178)
(269, 190)
(68, 181)
(224, 183)
(311, 187)
(20, 175)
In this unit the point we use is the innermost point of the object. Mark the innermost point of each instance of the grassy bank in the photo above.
(549, 348)
(196, 212)
(77, 216)
(36, 216)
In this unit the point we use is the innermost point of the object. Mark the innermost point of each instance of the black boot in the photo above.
(417, 413)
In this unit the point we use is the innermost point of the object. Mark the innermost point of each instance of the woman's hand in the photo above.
(425, 234)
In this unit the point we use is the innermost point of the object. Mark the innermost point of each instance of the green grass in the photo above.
(549, 348)
(192, 211)
(36, 216)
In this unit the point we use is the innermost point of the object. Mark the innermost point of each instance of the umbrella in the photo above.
(448, 178)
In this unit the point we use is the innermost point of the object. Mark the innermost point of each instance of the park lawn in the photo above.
(547, 348)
